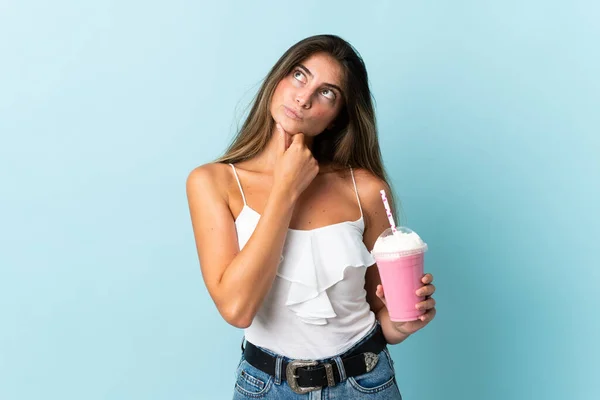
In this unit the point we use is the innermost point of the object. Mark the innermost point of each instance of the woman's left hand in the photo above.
(428, 305)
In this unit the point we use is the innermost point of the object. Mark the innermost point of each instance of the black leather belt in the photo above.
(307, 375)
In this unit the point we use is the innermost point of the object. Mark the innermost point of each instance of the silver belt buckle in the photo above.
(292, 377)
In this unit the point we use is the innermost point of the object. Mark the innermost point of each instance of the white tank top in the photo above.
(317, 306)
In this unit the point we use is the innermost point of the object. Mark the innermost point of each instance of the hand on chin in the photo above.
(288, 134)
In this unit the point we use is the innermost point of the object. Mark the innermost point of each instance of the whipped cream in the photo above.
(403, 240)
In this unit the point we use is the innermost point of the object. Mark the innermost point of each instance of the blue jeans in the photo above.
(379, 383)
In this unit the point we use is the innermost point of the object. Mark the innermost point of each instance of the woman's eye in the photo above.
(299, 75)
(328, 93)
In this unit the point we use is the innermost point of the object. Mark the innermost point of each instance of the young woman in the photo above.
(283, 224)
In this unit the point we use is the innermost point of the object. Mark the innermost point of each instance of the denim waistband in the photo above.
(376, 326)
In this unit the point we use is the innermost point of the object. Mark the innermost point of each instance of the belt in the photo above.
(304, 376)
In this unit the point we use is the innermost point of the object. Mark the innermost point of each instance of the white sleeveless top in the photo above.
(317, 306)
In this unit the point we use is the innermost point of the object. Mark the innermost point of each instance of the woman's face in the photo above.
(309, 98)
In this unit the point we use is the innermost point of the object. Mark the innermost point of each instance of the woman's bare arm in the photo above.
(238, 281)
(376, 221)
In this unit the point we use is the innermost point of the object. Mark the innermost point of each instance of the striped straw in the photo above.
(388, 211)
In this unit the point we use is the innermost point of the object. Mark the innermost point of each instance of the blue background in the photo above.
(488, 115)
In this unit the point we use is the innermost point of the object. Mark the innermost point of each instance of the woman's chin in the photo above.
(290, 127)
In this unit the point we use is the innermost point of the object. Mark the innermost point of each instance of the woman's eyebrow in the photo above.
(328, 84)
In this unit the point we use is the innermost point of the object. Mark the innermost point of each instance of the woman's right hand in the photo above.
(295, 167)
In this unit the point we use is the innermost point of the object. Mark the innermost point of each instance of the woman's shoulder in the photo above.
(368, 182)
(214, 177)
(369, 187)
(214, 170)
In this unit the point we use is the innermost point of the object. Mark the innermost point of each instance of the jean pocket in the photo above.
(252, 382)
(380, 378)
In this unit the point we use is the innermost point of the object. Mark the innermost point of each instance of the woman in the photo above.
(283, 223)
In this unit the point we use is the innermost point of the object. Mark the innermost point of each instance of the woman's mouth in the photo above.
(291, 113)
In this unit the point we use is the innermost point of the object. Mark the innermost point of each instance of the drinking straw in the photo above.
(388, 211)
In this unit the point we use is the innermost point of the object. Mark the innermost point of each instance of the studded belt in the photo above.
(305, 376)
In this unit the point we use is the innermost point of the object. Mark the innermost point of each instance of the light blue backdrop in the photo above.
(488, 114)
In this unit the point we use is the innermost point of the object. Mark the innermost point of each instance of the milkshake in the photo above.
(399, 253)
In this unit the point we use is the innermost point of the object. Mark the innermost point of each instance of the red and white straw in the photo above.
(388, 211)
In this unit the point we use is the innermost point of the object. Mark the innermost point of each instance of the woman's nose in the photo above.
(303, 99)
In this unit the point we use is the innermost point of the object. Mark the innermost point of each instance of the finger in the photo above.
(380, 294)
(426, 290)
(425, 305)
(298, 139)
(280, 138)
(427, 278)
(284, 138)
(428, 316)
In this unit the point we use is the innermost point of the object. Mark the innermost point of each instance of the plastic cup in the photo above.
(401, 271)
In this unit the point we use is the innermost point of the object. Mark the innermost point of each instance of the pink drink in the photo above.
(399, 258)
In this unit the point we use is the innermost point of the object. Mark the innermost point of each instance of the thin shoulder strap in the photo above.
(239, 184)
(356, 190)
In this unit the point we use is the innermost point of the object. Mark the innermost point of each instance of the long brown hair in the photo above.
(353, 139)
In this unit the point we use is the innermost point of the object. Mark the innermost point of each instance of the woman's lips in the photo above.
(291, 113)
